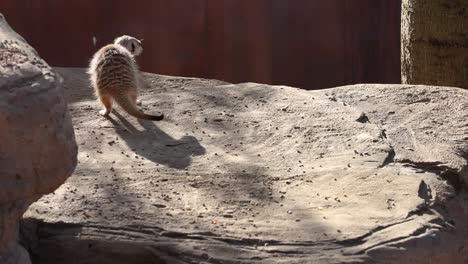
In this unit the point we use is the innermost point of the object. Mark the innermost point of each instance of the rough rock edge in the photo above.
(23, 67)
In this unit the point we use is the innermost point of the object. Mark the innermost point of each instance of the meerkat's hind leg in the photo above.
(106, 100)
(135, 100)
(133, 96)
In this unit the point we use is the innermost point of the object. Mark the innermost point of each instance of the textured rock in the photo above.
(253, 173)
(38, 149)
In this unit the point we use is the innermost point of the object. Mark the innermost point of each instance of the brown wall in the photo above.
(311, 44)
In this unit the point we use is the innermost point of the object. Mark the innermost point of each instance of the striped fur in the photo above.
(115, 76)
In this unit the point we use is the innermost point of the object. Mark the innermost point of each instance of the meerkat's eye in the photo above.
(132, 47)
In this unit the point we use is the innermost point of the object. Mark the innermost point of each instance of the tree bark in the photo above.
(434, 44)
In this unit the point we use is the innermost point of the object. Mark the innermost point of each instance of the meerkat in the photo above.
(115, 76)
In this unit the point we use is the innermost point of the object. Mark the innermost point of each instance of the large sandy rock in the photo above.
(37, 144)
(253, 173)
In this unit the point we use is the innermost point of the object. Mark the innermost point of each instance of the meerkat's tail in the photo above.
(124, 101)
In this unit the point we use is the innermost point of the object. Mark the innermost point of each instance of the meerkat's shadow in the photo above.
(156, 145)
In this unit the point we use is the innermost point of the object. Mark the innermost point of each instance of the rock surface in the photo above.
(37, 144)
(253, 173)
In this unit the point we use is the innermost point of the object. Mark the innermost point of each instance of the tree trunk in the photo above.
(434, 44)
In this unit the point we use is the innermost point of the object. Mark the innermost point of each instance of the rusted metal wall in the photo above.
(311, 44)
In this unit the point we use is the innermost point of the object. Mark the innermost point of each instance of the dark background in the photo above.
(311, 44)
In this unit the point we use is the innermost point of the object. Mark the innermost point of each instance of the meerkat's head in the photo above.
(130, 43)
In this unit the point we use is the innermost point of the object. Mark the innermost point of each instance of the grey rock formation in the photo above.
(253, 173)
(37, 144)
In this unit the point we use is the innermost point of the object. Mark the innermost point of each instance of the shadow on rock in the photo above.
(154, 144)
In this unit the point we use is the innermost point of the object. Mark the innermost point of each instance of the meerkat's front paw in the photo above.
(104, 112)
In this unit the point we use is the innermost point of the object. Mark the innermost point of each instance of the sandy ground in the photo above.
(252, 173)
